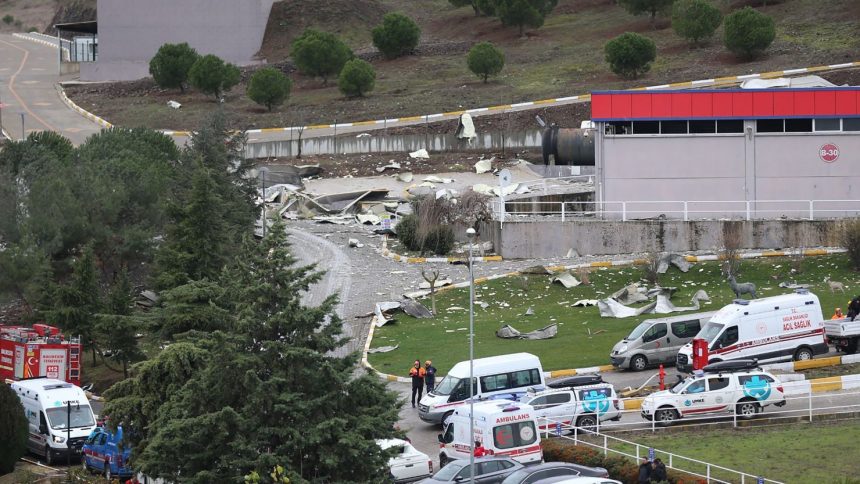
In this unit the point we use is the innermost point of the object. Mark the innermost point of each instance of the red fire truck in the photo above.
(39, 351)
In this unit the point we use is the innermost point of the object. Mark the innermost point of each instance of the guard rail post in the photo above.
(708, 472)
(637, 453)
(605, 445)
(623, 211)
(654, 422)
(597, 425)
(748, 210)
(686, 216)
(575, 435)
(811, 210)
(810, 402)
(562, 211)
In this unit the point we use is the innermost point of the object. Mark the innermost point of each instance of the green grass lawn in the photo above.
(800, 454)
(584, 338)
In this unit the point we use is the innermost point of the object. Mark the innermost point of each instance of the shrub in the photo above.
(269, 87)
(13, 428)
(523, 13)
(356, 78)
(851, 241)
(695, 20)
(8, 19)
(651, 7)
(485, 60)
(319, 54)
(439, 240)
(630, 55)
(748, 32)
(211, 75)
(407, 232)
(170, 65)
(398, 35)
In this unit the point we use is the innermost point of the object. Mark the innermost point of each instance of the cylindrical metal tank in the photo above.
(568, 146)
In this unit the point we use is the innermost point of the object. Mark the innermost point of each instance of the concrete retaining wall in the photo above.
(547, 239)
(391, 144)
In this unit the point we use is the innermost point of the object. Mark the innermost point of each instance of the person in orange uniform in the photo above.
(417, 373)
(838, 314)
(480, 451)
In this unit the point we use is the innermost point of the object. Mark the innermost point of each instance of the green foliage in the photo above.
(463, 3)
(319, 54)
(397, 36)
(13, 428)
(439, 240)
(194, 306)
(211, 75)
(356, 78)
(407, 232)
(77, 302)
(268, 390)
(748, 32)
(695, 20)
(650, 7)
(630, 55)
(171, 64)
(523, 13)
(485, 60)
(8, 19)
(269, 87)
(116, 329)
(851, 242)
(486, 7)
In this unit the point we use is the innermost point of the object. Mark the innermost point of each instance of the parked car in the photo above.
(536, 473)
(578, 480)
(729, 386)
(408, 464)
(104, 453)
(656, 341)
(580, 406)
(489, 470)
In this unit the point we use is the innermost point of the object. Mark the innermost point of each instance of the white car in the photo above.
(579, 406)
(731, 386)
(408, 464)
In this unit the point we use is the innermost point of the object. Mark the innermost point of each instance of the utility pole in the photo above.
(23, 133)
(470, 232)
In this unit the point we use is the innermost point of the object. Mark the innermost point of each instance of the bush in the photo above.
(523, 12)
(439, 240)
(8, 19)
(398, 35)
(630, 55)
(851, 241)
(269, 87)
(169, 68)
(748, 32)
(651, 7)
(211, 75)
(356, 78)
(319, 54)
(695, 20)
(407, 232)
(485, 60)
(13, 428)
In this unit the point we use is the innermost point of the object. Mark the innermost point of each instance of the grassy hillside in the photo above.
(562, 58)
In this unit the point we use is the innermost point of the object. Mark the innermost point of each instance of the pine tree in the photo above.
(117, 328)
(77, 303)
(13, 428)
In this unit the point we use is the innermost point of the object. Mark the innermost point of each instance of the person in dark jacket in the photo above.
(644, 472)
(429, 375)
(659, 472)
(854, 308)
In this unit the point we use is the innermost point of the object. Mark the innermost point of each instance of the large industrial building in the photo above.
(748, 153)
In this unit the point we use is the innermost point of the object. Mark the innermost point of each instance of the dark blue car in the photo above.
(104, 453)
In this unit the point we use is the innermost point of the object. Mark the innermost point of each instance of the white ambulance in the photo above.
(767, 329)
(504, 376)
(59, 415)
(504, 428)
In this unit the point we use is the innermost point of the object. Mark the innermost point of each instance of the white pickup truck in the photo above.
(843, 334)
(408, 464)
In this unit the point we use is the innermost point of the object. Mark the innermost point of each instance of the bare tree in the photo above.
(797, 257)
(730, 252)
(649, 268)
(431, 279)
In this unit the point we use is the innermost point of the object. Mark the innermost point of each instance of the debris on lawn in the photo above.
(536, 270)
(355, 243)
(419, 154)
(405, 177)
(675, 259)
(509, 332)
(584, 303)
(566, 279)
(415, 309)
(383, 349)
(484, 166)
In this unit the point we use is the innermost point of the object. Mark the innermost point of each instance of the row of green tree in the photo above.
(747, 33)
(247, 378)
(515, 13)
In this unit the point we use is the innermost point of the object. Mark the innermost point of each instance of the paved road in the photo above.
(28, 79)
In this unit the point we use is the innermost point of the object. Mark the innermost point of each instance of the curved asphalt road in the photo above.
(28, 84)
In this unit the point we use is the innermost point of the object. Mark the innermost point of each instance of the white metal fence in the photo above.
(805, 406)
(684, 209)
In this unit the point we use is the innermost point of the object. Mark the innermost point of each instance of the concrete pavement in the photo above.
(28, 85)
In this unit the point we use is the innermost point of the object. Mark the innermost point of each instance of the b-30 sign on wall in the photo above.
(828, 153)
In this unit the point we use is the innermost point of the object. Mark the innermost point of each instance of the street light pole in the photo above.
(23, 133)
(470, 232)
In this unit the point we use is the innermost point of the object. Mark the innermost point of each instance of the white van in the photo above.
(56, 411)
(767, 329)
(509, 375)
(504, 428)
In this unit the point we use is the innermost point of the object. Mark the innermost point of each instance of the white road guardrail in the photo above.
(801, 403)
(682, 209)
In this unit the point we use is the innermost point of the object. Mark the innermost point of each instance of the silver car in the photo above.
(657, 341)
